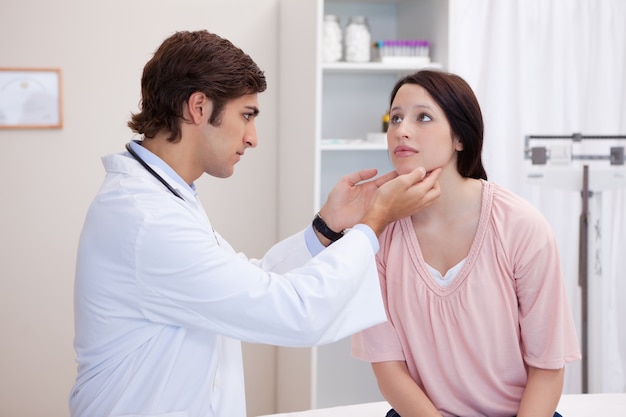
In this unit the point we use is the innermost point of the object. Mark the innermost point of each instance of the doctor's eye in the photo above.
(251, 114)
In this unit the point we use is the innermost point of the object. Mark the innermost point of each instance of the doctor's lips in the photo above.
(403, 150)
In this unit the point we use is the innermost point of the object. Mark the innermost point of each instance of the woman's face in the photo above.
(419, 133)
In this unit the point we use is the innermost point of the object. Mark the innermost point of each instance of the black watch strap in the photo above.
(327, 232)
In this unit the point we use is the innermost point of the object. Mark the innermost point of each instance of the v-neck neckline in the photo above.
(418, 258)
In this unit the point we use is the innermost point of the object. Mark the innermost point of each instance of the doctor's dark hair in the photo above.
(186, 63)
(458, 102)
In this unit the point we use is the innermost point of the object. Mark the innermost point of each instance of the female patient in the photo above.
(479, 321)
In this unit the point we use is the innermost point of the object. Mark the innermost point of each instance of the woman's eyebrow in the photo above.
(416, 106)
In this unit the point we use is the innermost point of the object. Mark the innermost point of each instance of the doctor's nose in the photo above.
(250, 138)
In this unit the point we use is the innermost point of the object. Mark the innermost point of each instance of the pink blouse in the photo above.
(467, 345)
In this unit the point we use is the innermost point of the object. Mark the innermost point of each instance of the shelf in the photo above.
(375, 67)
(356, 145)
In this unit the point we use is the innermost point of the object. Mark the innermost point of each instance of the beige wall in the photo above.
(50, 176)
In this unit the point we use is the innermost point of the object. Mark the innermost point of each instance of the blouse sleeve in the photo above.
(547, 328)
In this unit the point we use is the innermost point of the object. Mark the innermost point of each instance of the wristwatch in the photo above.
(327, 232)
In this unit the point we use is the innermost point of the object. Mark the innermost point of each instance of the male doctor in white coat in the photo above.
(161, 300)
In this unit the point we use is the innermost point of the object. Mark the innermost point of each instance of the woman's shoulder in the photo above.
(510, 202)
(512, 214)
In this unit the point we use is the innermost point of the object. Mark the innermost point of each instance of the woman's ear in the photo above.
(458, 145)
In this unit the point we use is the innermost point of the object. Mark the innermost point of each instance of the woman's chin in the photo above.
(405, 170)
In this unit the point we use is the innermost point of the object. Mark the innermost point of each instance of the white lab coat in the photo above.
(162, 301)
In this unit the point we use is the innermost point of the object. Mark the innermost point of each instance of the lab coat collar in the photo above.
(154, 161)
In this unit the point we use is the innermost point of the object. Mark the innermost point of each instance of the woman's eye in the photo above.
(395, 119)
(423, 117)
(248, 116)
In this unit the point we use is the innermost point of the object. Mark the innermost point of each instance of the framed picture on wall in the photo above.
(30, 98)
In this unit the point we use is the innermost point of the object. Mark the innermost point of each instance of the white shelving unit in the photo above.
(326, 113)
(371, 67)
(361, 146)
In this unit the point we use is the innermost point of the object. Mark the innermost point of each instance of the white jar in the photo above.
(332, 39)
(358, 40)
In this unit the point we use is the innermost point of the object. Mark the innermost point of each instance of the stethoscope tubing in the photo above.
(153, 172)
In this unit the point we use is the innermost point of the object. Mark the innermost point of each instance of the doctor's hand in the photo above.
(378, 202)
(351, 197)
(401, 197)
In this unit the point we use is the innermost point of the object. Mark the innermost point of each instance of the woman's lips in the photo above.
(403, 151)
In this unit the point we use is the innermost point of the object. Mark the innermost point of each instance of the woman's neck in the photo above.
(458, 196)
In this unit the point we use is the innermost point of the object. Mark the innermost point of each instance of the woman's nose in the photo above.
(401, 130)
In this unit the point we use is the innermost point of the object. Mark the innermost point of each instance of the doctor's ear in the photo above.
(198, 106)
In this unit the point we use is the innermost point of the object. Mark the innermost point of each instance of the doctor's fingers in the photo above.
(384, 178)
(356, 177)
(415, 178)
(429, 186)
(431, 195)
(412, 189)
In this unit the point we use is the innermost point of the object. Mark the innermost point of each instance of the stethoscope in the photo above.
(153, 172)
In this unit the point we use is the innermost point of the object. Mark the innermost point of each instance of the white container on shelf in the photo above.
(332, 39)
(358, 40)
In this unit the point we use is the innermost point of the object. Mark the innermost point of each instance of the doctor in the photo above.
(161, 300)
